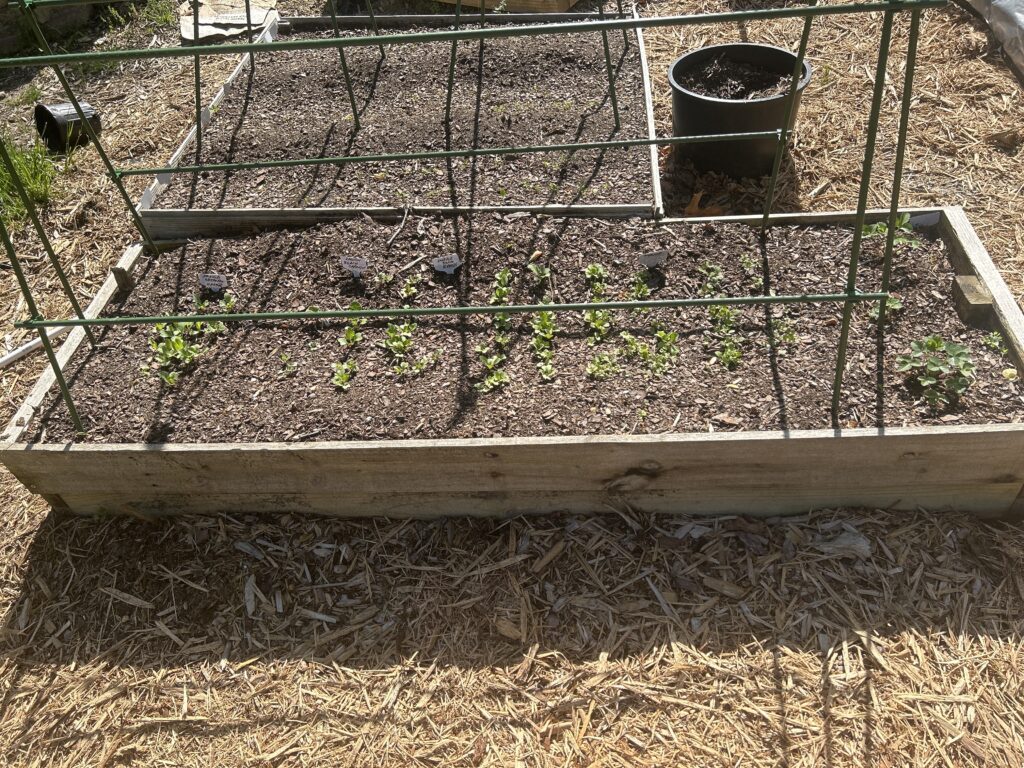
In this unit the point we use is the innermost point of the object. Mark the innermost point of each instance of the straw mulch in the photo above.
(843, 638)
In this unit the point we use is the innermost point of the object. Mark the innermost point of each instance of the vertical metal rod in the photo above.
(30, 208)
(780, 149)
(897, 177)
(625, 32)
(344, 67)
(37, 32)
(609, 70)
(44, 337)
(451, 69)
(862, 202)
(373, 24)
(198, 83)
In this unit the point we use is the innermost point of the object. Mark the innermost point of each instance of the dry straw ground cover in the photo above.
(842, 638)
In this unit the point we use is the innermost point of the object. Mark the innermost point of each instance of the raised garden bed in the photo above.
(538, 90)
(276, 433)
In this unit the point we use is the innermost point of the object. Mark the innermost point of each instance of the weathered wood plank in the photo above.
(652, 130)
(978, 469)
(180, 224)
(969, 257)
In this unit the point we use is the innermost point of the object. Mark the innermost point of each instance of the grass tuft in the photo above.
(36, 171)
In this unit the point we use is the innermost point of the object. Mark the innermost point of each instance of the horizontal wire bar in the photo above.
(483, 33)
(490, 309)
(452, 153)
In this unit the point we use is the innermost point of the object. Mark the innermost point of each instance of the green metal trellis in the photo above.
(848, 298)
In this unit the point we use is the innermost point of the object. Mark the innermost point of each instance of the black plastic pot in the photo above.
(694, 114)
(61, 128)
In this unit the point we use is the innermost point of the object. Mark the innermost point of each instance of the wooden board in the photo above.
(181, 224)
(978, 469)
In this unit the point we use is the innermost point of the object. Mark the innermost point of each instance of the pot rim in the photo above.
(808, 70)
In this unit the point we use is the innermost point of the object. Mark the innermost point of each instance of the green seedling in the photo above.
(752, 269)
(994, 341)
(174, 349)
(639, 289)
(409, 288)
(398, 339)
(904, 232)
(713, 277)
(595, 273)
(541, 275)
(729, 353)
(344, 373)
(893, 306)
(604, 365)
(492, 381)
(658, 357)
(600, 322)
(501, 289)
(944, 370)
(352, 334)
(288, 366)
(542, 341)
(783, 330)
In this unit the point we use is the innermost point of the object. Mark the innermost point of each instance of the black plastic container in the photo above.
(61, 128)
(694, 114)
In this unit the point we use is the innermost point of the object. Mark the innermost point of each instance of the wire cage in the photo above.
(460, 32)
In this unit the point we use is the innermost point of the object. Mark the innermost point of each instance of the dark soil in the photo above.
(721, 77)
(272, 381)
(509, 92)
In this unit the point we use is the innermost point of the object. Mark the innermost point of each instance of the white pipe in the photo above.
(30, 347)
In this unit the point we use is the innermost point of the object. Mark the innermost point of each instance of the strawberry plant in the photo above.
(904, 232)
(942, 369)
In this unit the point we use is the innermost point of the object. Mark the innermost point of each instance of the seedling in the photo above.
(639, 289)
(409, 288)
(352, 335)
(994, 341)
(659, 357)
(904, 232)
(541, 275)
(174, 349)
(595, 273)
(944, 370)
(288, 366)
(343, 374)
(492, 381)
(783, 330)
(398, 339)
(712, 278)
(604, 365)
(752, 269)
(729, 353)
(543, 324)
(600, 322)
(398, 343)
(893, 306)
(501, 289)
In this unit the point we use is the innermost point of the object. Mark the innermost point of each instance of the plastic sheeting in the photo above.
(1006, 20)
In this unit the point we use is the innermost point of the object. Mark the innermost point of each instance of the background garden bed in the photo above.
(536, 90)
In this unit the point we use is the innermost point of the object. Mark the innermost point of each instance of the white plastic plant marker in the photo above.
(354, 264)
(654, 258)
(213, 281)
(447, 263)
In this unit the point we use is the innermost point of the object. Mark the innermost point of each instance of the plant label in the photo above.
(654, 258)
(213, 282)
(447, 263)
(354, 264)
